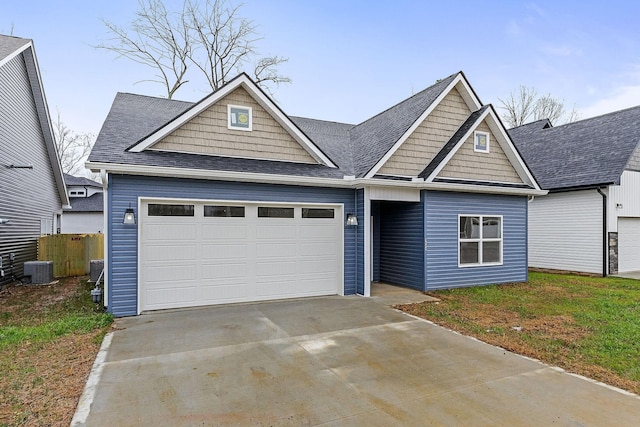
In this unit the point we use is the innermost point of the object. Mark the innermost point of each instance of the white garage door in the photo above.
(628, 244)
(203, 253)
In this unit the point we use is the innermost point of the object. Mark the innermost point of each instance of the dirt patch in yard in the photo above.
(42, 379)
(42, 383)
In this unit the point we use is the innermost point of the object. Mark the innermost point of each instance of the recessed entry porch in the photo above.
(396, 237)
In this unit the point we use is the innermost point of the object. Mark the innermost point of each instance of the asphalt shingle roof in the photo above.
(80, 180)
(93, 203)
(133, 117)
(9, 44)
(374, 137)
(355, 149)
(586, 153)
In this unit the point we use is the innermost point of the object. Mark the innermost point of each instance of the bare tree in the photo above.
(73, 148)
(158, 39)
(525, 105)
(211, 36)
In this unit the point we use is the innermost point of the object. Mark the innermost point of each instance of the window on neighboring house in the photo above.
(479, 240)
(481, 142)
(46, 226)
(239, 118)
(77, 193)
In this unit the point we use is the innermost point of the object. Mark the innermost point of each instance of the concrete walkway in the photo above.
(630, 275)
(331, 361)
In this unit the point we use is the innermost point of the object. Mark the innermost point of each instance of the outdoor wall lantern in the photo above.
(129, 216)
(352, 220)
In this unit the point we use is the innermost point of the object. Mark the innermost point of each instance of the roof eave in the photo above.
(42, 109)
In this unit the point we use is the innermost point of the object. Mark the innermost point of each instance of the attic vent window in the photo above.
(239, 117)
(481, 142)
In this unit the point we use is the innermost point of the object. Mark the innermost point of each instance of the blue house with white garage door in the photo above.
(231, 200)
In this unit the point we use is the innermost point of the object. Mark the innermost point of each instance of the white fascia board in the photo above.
(455, 149)
(27, 45)
(216, 175)
(302, 180)
(511, 152)
(259, 97)
(468, 96)
(29, 55)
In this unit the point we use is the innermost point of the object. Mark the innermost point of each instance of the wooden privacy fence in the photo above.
(71, 253)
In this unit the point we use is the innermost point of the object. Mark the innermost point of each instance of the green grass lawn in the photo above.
(587, 325)
(49, 336)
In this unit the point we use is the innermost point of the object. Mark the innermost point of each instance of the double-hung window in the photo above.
(479, 240)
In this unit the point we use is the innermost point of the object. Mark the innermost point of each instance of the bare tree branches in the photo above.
(73, 148)
(519, 106)
(525, 104)
(209, 37)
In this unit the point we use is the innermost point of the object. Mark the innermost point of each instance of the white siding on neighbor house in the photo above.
(565, 231)
(82, 223)
(626, 194)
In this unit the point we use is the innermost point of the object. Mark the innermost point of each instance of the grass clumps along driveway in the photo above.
(586, 325)
(49, 337)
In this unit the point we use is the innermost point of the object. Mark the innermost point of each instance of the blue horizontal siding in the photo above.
(124, 190)
(402, 244)
(375, 212)
(441, 228)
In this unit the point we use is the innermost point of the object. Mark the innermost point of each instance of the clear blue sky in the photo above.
(352, 59)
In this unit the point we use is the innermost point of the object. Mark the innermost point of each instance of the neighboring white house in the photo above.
(590, 221)
(86, 213)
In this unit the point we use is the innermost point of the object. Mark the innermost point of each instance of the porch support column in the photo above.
(367, 242)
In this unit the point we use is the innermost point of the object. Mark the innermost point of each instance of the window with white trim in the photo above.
(239, 117)
(479, 240)
(481, 142)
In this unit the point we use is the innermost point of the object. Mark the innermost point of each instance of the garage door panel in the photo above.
(276, 249)
(321, 232)
(275, 268)
(170, 252)
(167, 231)
(223, 251)
(225, 271)
(224, 230)
(190, 261)
(160, 297)
(316, 265)
(628, 244)
(318, 249)
(163, 273)
(274, 229)
(213, 292)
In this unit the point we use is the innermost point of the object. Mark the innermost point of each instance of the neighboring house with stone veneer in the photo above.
(231, 200)
(32, 190)
(590, 221)
(85, 216)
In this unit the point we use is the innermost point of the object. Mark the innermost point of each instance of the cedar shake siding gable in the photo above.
(467, 164)
(208, 133)
(429, 138)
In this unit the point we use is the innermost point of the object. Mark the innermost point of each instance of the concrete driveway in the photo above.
(331, 361)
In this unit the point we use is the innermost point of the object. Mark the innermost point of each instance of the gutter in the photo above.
(345, 182)
(604, 232)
